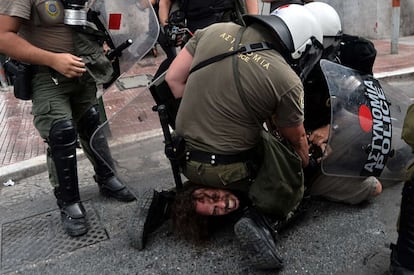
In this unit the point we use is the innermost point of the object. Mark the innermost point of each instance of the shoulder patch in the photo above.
(52, 8)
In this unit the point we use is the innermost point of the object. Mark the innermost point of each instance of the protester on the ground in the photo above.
(402, 253)
(63, 94)
(214, 122)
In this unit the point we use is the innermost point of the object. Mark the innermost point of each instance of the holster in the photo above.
(178, 144)
(20, 75)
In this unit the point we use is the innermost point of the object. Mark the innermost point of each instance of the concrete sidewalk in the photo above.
(22, 151)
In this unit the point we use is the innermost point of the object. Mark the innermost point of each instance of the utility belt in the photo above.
(217, 159)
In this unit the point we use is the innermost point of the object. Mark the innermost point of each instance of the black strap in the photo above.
(254, 47)
(238, 84)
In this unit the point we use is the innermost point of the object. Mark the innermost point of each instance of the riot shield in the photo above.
(131, 25)
(128, 103)
(366, 122)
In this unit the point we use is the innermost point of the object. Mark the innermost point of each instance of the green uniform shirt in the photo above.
(212, 116)
(44, 26)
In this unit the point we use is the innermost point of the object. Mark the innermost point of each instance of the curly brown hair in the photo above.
(186, 222)
(191, 225)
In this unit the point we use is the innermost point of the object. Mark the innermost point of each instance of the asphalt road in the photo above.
(331, 238)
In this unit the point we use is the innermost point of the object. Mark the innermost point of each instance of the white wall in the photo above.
(369, 18)
(373, 18)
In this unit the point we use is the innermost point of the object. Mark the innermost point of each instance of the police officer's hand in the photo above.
(69, 65)
(320, 135)
(318, 138)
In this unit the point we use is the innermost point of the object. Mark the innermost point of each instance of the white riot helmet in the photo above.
(330, 23)
(298, 33)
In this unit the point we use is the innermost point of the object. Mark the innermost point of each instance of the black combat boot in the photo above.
(402, 254)
(153, 209)
(110, 186)
(108, 182)
(257, 239)
(73, 218)
(62, 162)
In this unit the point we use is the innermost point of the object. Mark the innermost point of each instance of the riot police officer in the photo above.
(220, 132)
(47, 34)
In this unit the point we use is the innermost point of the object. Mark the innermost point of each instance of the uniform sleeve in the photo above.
(18, 8)
(192, 43)
(290, 110)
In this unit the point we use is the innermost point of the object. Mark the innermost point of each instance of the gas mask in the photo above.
(75, 12)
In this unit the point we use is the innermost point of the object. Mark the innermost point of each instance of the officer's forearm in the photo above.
(19, 49)
(302, 149)
(163, 11)
(252, 7)
(297, 137)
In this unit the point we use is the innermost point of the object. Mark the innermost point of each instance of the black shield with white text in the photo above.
(366, 123)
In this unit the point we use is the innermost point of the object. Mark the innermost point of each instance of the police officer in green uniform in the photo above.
(63, 93)
(402, 253)
(220, 132)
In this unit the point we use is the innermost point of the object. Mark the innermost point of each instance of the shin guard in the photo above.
(101, 158)
(62, 151)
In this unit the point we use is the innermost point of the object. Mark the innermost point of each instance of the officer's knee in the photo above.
(62, 133)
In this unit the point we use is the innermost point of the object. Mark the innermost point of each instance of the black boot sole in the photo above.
(262, 253)
(136, 225)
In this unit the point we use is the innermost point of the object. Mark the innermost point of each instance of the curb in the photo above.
(37, 165)
(396, 75)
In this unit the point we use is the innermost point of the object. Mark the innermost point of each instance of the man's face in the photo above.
(214, 202)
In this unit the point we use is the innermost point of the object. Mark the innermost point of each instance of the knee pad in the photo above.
(62, 134)
(88, 123)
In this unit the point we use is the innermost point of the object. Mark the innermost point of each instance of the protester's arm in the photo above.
(296, 135)
(164, 11)
(252, 6)
(18, 48)
(178, 72)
